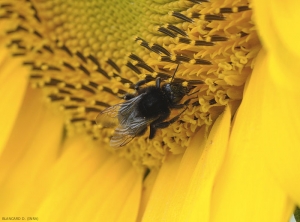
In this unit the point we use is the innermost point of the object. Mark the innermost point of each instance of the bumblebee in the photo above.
(149, 106)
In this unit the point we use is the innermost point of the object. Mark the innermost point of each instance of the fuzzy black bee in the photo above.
(149, 106)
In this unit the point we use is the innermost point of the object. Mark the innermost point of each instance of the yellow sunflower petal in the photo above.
(148, 185)
(31, 148)
(198, 200)
(277, 17)
(190, 182)
(77, 164)
(122, 197)
(173, 207)
(280, 93)
(280, 121)
(282, 45)
(173, 181)
(244, 189)
(132, 203)
(12, 90)
(162, 188)
(90, 184)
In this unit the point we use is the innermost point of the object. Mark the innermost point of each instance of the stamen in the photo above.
(145, 66)
(100, 103)
(48, 48)
(181, 16)
(202, 43)
(51, 67)
(200, 61)
(67, 85)
(77, 99)
(35, 14)
(134, 68)
(54, 81)
(114, 65)
(108, 90)
(74, 120)
(184, 40)
(92, 109)
(93, 84)
(206, 17)
(66, 49)
(82, 68)
(5, 5)
(136, 58)
(85, 88)
(54, 98)
(123, 80)
(35, 76)
(156, 47)
(81, 56)
(166, 32)
(94, 60)
(198, 1)
(68, 66)
(166, 59)
(70, 107)
(104, 73)
(233, 9)
(243, 34)
(146, 45)
(64, 92)
(180, 58)
(177, 30)
(215, 38)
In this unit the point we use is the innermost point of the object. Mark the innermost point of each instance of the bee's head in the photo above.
(174, 92)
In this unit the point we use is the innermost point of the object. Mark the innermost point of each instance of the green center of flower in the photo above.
(86, 55)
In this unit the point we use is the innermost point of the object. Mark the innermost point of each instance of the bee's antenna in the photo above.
(174, 73)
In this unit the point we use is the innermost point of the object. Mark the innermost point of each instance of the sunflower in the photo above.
(229, 153)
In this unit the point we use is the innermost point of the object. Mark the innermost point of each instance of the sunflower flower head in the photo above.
(86, 55)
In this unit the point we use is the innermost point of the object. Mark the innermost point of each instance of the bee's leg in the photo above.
(162, 125)
(128, 96)
(180, 106)
(160, 119)
(158, 80)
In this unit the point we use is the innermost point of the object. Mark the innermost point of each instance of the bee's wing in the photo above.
(128, 110)
(126, 117)
(118, 114)
(109, 116)
(120, 138)
(125, 133)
